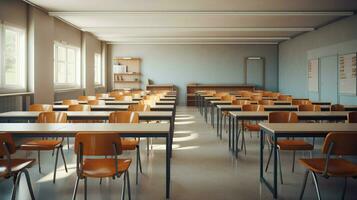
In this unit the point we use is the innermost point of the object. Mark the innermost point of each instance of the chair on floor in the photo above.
(70, 102)
(301, 102)
(266, 102)
(96, 102)
(86, 98)
(47, 145)
(13, 167)
(128, 144)
(286, 144)
(249, 126)
(285, 98)
(333, 164)
(337, 107)
(310, 107)
(41, 108)
(102, 95)
(81, 108)
(90, 148)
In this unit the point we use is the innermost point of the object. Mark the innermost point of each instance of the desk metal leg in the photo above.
(229, 132)
(212, 116)
(275, 186)
(220, 124)
(237, 138)
(261, 154)
(206, 110)
(168, 167)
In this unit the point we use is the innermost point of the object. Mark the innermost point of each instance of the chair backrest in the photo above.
(337, 107)
(314, 108)
(97, 143)
(240, 102)
(344, 143)
(96, 102)
(102, 95)
(221, 94)
(10, 144)
(115, 93)
(86, 98)
(79, 107)
(283, 117)
(52, 117)
(123, 98)
(266, 102)
(124, 117)
(228, 98)
(352, 117)
(41, 107)
(253, 107)
(301, 102)
(256, 97)
(70, 102)
(285, 98)
(139, 107)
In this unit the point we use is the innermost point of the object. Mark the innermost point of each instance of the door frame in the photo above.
(246, 67)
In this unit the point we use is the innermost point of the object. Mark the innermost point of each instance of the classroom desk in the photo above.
(95, 107)
(234, 129)
(113, 99)
(168, 99)
(165, 102)
(163, 108)
(106, 102)
(71, 129)
(277, 130)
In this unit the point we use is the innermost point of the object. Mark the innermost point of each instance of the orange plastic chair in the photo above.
(337, 107)
(266, 102)
(79, 107)
(336, 144)
(301, 102)
(352, 117)
(240, 102)
(285, 98)
(13, 167)
(86, 98)
(102, 95)
(100, 144)
(70, 102)
(286, 144)
(307, 107)
(228, 98)
(47, 145)
(128, 144)
(96, 102)
(139, 108)
(256, 97)
(41, 107)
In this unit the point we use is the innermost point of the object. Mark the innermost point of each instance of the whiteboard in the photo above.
(313, 75)
(347, 74)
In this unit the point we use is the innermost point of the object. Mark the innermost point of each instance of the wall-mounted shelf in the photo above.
(127, 81)
(126, 73)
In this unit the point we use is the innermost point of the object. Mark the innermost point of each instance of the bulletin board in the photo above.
(347, 74)
(313, 75)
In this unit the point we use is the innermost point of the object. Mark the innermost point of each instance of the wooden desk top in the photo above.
(70, 129)
(307, 128)
(106, 102)
(301, 113)
(165, 102)
(95, 107)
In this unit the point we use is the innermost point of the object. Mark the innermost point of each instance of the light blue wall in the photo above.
(329, 41)
(184, 64)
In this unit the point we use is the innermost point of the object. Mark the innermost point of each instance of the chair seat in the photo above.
(251, 127)
(40, 145)
(104, 167)
(129, 144)
(336, 167)
(294, 145)
(16, 165)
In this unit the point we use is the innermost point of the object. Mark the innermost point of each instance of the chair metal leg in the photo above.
(147, 146)
(123, 187)
(137, 165)
(344, 188)
(293, 167)
(29, 183)
(16, 183)
(281, 173)
(75, 189)
(243, 146)
(267, 166)
(304, 184)
(128, 182)
(55, 171)
(64, 160)
(139, 157)
(68, 143)
(39, 161)
(316, 185)
(100, 181)
(85, 188)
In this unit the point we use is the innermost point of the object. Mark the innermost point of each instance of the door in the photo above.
(329, 79)
(255, 71)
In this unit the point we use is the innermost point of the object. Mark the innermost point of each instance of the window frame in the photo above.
(22, 58)
(77, 82)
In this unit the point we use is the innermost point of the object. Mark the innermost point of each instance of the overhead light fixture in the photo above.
(254, 58)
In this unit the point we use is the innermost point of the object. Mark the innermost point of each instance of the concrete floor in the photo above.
(202, 168)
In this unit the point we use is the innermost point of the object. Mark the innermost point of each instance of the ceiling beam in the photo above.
(223, 29)
(233, 13)
(190, 43)
(125, 39)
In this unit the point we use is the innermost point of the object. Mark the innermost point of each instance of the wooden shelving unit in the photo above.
(126, 73)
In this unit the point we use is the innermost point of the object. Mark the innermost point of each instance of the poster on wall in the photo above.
(313, 75)
(347, 74)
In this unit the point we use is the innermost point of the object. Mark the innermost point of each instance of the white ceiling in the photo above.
(197, 21)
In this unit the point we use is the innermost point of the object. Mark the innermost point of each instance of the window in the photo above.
(12, 59)
(98, 70)
(67, 66)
